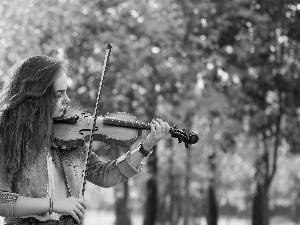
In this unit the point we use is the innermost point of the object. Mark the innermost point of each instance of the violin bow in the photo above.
(107, 54)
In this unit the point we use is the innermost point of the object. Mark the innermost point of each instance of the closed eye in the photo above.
(60, 93)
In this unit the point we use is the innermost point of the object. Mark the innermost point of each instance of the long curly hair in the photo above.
(27, 102)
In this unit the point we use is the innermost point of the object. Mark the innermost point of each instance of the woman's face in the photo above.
(61, 86)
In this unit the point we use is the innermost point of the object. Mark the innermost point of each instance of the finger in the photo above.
(167, 127)
(152, 125)
(78, 213)
(81, 201)
(157, 128)
(74, 215)
(80, 207)
(162, 125)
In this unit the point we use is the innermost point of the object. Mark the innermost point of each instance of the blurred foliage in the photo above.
(223, 69)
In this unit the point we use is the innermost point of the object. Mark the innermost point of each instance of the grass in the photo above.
(108, 218)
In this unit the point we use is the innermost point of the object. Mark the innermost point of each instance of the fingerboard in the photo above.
(125, 123)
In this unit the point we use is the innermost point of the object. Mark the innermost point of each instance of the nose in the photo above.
(66, 100)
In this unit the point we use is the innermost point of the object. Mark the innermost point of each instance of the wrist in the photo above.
(144, 150)
(147, 147)
(148, 144)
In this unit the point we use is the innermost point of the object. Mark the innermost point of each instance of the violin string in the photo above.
(108, 50)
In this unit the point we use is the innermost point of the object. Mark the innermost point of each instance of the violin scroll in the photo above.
(183, 136)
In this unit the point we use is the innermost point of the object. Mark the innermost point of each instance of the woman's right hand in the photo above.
(71, 206)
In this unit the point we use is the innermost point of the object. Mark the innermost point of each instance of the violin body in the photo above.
(77, 132)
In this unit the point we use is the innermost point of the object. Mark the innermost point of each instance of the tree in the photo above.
(254, 69)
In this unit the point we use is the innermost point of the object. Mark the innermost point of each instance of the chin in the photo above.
(58, 114)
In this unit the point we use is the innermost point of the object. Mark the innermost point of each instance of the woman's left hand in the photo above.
(159, 129)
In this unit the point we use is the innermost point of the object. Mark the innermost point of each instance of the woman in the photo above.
(40, 184)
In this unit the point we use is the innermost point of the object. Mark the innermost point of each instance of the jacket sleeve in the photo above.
(111, 173)
(7, 198)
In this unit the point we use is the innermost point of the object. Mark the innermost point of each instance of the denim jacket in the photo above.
(71, 164)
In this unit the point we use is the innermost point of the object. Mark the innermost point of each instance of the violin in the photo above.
(122, 129)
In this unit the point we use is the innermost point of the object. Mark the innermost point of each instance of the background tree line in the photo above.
(228, 70)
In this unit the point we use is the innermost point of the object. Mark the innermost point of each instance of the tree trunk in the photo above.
(260, 209)
(187, 197)
(121, 204)
(171, 185)
(151, 191)
(212, 214)
(212, 208)
(166, 211)
(265, 172)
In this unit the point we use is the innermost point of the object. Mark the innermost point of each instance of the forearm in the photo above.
(136, 158)
(31, 206)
